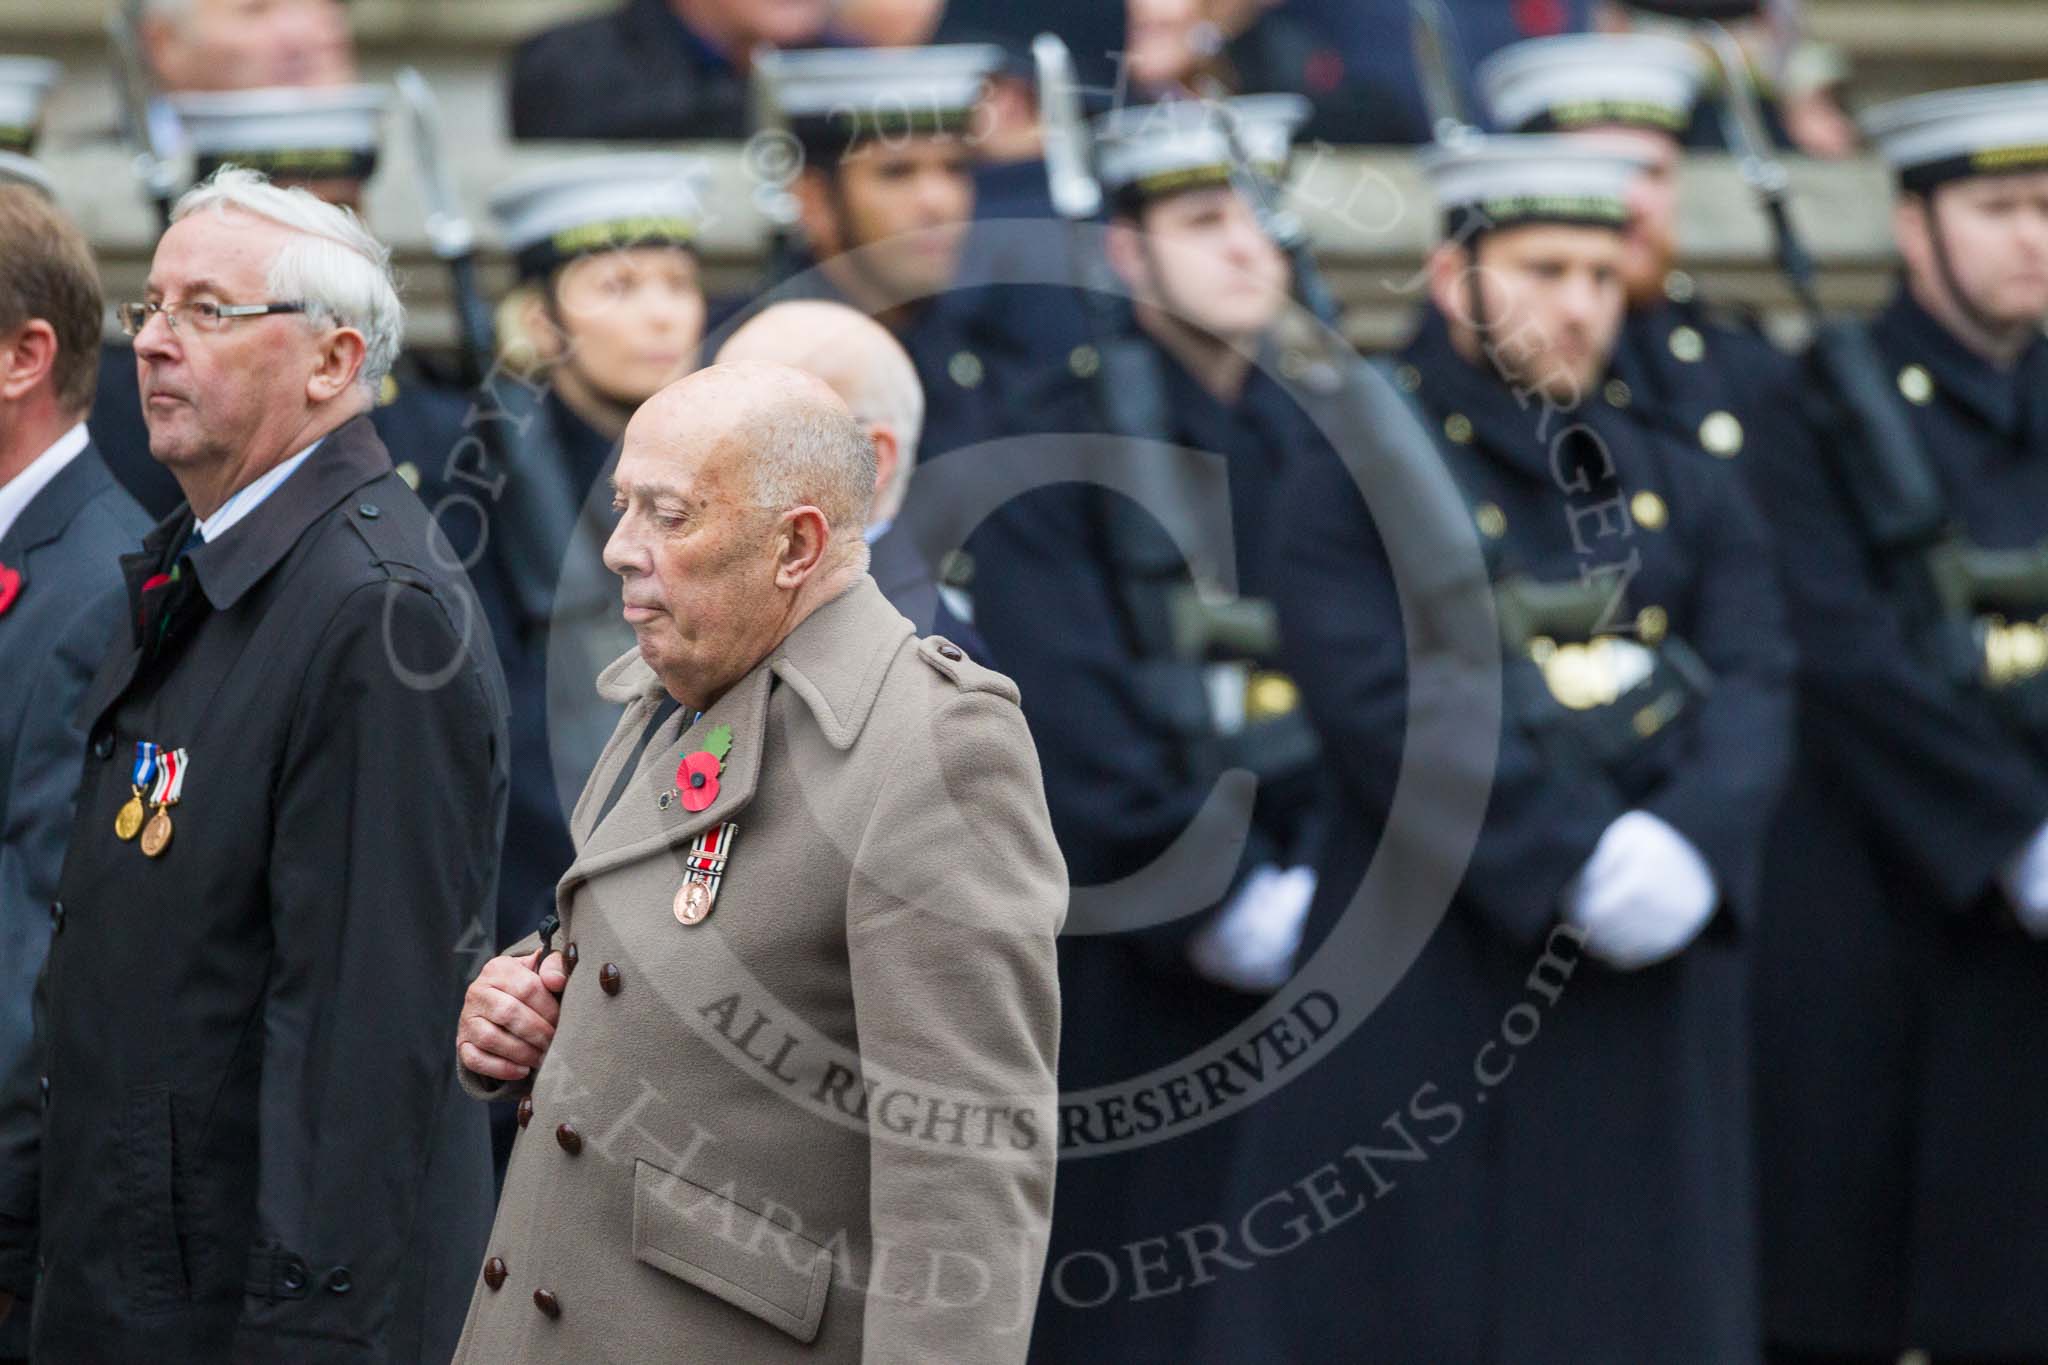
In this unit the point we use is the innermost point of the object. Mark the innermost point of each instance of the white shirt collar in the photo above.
(250, 496)
(18, 492)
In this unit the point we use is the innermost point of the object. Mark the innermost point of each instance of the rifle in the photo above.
(1433, 39)
(133, 87)
(449, 233)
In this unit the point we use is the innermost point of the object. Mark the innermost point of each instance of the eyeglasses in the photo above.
(204, 314)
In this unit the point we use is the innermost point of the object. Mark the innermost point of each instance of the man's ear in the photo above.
(26, 358)
(887, 455)
(338, 364)
(1449, 270)
(816, 213)
(800, 545)
(1913, 232)
(163, 48)
(1123, 245)
(539, 333)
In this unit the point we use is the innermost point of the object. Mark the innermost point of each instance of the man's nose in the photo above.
(156, 339)
(1581, 300)
(622, 551)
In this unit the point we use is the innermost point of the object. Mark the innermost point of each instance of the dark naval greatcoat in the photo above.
(1522, 1154)
(1126, 778)
(1903, 1096)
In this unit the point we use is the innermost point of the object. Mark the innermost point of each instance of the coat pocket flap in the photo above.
(724, 1248)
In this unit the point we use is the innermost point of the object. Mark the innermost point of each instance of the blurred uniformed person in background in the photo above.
(1139, 692)
(883, 204)
(1903, 1105)
(1795, 79)
(1678, 364)
(653, 69)
(195, 45)
(607, 312)
(324, 139)
(25, 84)
(1585, 1194)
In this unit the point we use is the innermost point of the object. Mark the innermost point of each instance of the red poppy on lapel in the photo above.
(697, 780)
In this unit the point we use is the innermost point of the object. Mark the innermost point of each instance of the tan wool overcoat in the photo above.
(817, 1123)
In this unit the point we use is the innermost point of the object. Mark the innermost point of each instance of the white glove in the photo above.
(1251, 943)
(1644, 894)
(2025, 879)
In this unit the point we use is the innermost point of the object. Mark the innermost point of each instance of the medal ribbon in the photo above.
(170, 783)
(709, 850)
(145, 764)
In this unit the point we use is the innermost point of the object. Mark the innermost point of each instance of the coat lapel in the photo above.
(834, 662)
(638, 827)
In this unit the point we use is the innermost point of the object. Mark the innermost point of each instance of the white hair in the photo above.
(883, 388)
(802, 453)
(859, 359)
(333, 265)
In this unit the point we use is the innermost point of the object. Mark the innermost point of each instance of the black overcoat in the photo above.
(1903, 1089)
(254, 1146)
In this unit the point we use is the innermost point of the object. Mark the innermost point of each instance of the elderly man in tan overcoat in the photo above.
(787, 1062)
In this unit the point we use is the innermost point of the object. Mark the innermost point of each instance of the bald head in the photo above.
(862, 362)
(742, 491)
(781, 437)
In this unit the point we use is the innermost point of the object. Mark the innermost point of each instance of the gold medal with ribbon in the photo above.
(128, 823)
(170, 785)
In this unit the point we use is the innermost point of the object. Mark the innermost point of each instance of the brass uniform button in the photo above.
(525, 1111)
(1458, 427)
(1269, 696)
(1408, 378)
(608, 978)
(571, 1140)
(1917, 384)
(1649, 511)
(1083, 361)
(1652, 624)
(1680, 287)
(494, 1274)
(1721, 434)
(1617, 393)
(1493, 523)
(1688, 345)
(387, 392)
(546, 1302)
(965, 369)
(570, 957)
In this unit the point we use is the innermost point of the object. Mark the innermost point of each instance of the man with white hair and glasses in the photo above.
(253, 1147)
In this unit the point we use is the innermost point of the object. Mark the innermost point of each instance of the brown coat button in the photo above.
(570, 957)
(546, 1302)
(525, 1110)
(948, 652)
(571, 1140)
(608, 978)
(494, 1273)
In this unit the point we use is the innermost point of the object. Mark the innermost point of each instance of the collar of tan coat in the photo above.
(835, 661)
